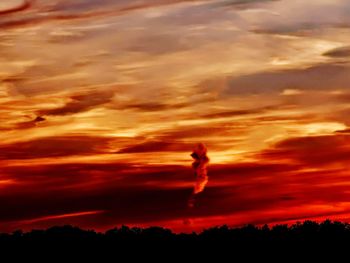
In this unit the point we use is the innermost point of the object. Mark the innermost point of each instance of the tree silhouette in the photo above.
(249, 240)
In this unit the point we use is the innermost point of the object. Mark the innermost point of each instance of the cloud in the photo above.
(234, 113)
(346, 131)
(180, 139)
(301, 18)
(127, 194)
(218, 136)
(324, 76)
(141, 194)
(25, 124)
(55, 146)
(195, 131)
(92, 177)
(342, 52)
(156, 146)
(69, 10)
(149, 106)
(242, 4)
(312, 150)
(80, 103)
(111, 186)
(159, 44)
(8, 7)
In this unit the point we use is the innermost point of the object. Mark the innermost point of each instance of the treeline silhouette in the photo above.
(280, 243)
(307, 232)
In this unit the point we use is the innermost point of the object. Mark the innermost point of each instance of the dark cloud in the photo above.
(13, 79)
(140, 194)
(291, 29)
(54, 146)
(24, 124)
(346, 131)
(77, 6)
(312, 150)
(181, 136)
(325, 76)
(242, 4)
(90, 176)
(156, 146)
(150, 106)
(233, 113)
(304, 20)
(39, 119)
(338, 52)
(74, 10)
(343, 97)
(27, 124)
(300, 118)
(81, 102)
(119, 188)
(62, 11)
(175, 140)
(129, 194)
(23, 5)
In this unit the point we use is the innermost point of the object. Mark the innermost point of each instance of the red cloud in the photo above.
(54, 146)
(141, 194)
(312, 150)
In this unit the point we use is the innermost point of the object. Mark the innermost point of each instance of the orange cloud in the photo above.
(54, 146)
(80, 103)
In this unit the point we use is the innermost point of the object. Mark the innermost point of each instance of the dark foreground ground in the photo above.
(311, 238)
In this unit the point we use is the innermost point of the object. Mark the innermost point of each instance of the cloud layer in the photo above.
(101, 102)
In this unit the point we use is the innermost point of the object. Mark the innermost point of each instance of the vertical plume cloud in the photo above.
(199, 165)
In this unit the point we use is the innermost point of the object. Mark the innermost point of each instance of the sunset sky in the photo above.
(102, 101)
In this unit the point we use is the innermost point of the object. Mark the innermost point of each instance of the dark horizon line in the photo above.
(258, 227)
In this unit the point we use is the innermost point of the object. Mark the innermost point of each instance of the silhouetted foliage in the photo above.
(249, 240)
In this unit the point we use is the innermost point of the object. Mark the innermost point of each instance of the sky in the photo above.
(102, 101)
